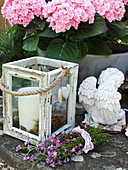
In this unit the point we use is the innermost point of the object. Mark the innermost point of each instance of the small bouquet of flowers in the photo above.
(59, 149)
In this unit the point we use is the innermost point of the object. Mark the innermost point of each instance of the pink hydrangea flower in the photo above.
(85, 135)
(110, 9)
(22, 11)
(62, 14)
(125, 2)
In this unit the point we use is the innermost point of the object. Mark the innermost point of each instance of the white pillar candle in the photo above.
(28, 108)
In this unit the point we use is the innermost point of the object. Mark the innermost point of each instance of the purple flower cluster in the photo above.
(59, 149)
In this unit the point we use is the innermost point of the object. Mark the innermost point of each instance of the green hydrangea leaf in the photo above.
(48, 33)
(117, 30)
(124, 39)
(83, 49)
(86, 30)
(97, 46)
(31, 43)
(59, 49)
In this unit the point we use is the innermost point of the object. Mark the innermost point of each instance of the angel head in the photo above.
(113, 75)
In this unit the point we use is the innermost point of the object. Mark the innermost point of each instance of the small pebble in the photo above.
(77, 158)
(120, 168)
(95, 155)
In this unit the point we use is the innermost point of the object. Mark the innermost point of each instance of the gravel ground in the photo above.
(4, 166)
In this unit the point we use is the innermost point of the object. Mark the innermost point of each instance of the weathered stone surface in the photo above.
(15, 159)
(109, 167)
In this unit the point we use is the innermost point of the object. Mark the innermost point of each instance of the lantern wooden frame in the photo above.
(27, 69)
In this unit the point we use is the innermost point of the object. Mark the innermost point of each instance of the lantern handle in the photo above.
(62, 74)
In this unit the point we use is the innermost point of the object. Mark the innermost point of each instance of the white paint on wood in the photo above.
(65, 127)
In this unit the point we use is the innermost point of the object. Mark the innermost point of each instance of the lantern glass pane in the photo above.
(25, 109)
(59, 109)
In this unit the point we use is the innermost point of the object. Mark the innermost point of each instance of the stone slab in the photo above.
(15, 159)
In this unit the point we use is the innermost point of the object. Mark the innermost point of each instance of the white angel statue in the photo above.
(103, 103)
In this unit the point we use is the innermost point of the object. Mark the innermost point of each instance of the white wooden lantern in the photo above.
(40, 115)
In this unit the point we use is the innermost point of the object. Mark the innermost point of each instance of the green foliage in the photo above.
(117, 30)
(83, 48)
(44, 42)
(99, 38)
(90, 30)
(98, 136)
(63, 50)
(124, 40)
(6, 48)
(31, 43)
(69, 45)
(11, 45)
(97, 46)
(13, 28)
(48, 33)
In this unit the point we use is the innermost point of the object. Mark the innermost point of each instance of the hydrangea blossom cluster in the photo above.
(62, 14)
(58, 150)
(110, 9)
(22, 12)
(125, 2)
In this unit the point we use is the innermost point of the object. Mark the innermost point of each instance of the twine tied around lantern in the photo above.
(63, 73)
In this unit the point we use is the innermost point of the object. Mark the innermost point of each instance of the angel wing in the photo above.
(87, 92)
(107, 105)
